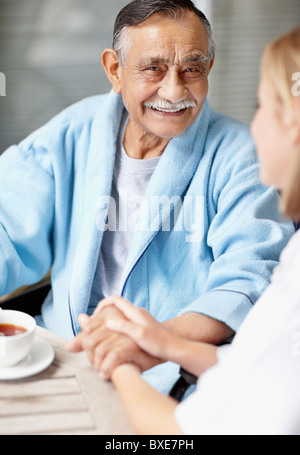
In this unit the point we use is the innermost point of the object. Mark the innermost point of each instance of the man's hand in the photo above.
(105, 349)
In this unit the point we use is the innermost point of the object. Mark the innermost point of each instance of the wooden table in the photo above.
(66, 399)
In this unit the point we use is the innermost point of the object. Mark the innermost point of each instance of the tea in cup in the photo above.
(17, 332)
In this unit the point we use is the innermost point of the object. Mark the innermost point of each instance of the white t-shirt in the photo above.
(255, 387)
(130, 181)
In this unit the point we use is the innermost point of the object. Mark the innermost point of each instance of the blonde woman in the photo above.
(252, 386)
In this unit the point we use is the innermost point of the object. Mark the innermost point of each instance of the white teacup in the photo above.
(15, 348)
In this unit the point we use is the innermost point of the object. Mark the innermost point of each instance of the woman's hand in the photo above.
(137, 324)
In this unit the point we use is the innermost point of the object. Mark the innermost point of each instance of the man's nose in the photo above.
(173, 88)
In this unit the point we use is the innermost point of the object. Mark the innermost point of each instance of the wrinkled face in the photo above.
(164, 82)
(270, 129)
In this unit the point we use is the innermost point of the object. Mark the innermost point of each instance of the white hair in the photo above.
(138, 11)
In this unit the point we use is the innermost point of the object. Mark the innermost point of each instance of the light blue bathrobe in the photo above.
(52, 188)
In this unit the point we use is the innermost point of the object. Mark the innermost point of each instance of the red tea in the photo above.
(9, 330)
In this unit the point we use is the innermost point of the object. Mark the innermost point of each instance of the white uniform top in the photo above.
(255, 387)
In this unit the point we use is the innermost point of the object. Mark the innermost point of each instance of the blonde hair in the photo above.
(280, 62)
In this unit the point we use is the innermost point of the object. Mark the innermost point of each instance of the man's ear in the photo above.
(211, 65)
(112, 68)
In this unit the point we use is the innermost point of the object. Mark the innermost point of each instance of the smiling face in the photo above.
(164, 83)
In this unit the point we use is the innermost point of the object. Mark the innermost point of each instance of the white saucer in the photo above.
(39, 358)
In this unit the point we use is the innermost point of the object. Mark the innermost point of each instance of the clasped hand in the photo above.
(118, 333)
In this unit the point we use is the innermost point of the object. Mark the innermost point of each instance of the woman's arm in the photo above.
(149, 411)
(192, 356)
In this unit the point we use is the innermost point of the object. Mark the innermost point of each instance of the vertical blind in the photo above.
(50, 54)
(242, 28)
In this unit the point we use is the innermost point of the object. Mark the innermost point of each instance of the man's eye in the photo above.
(197, 69)
(194, 72)
(153, 72)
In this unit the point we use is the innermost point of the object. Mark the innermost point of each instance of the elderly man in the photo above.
(145, 192)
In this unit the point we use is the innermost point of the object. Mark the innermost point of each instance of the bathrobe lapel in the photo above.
(98, 183)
